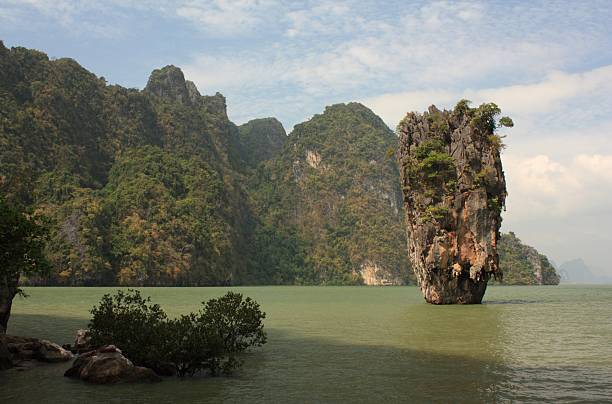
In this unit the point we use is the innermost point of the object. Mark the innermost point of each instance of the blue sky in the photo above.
(547, 64)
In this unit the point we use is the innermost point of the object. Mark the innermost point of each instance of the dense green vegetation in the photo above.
(158, 187)
(261, 140)
(523, 265)
(141, 187)
(331, 201)
(208, 340)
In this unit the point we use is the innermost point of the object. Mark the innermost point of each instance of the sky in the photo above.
(547, 64)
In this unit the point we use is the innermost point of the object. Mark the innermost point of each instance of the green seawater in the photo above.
(359, 344)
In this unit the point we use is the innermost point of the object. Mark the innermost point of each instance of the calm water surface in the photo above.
(360, 344)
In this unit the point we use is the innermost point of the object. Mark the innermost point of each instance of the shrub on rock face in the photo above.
(204, 341)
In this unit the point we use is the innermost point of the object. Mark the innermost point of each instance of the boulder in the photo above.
(52, 352)
(25, 349)
(107, 365)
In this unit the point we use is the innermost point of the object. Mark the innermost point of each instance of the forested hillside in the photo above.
(142, 187)
(524, 265)
(332, 197)
(158, 187)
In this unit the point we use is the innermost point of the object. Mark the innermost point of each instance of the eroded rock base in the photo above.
(454, 291)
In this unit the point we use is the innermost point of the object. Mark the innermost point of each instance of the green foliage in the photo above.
(428, 147)
(261, 139)
(437, 212)
(208, 340)
(22, 241)
(437, 166)
(141, 189)
(496, 142)
(484, 117)
(463, 107)
(506, 122)
(432, 169)
(131, 322)
(520, 263)
(320, 224)
(391, 152)
(231, 324)
(485, 177)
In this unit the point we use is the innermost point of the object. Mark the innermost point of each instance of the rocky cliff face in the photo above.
(169, 82)
(454, 191)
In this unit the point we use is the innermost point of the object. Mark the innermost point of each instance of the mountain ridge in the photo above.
(158, 187)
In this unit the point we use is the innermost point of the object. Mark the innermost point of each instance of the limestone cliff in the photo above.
(454, 191)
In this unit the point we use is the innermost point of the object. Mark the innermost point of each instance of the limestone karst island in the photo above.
(323, 202)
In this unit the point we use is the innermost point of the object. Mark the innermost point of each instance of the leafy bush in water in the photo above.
(133, 323)
(210, 339)
(204, 341)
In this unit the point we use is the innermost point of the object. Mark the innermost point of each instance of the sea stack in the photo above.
(454, 191)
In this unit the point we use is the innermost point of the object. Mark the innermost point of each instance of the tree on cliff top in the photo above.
(22, 238)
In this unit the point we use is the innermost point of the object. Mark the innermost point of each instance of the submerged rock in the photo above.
(107, 365)
(454, 190)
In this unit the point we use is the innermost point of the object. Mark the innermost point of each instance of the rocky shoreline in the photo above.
(104, 365)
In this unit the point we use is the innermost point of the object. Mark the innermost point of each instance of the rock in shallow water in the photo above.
(107, 365)
(25, 348)
(454, 190)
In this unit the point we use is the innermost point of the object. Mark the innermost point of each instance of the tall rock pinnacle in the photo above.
(454, 191)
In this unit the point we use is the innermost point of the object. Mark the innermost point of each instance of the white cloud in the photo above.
(561, 208)
(226, 17)
(549, 93)
(523, 100)
(321, 19)
(435, 15)
(214, 17)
